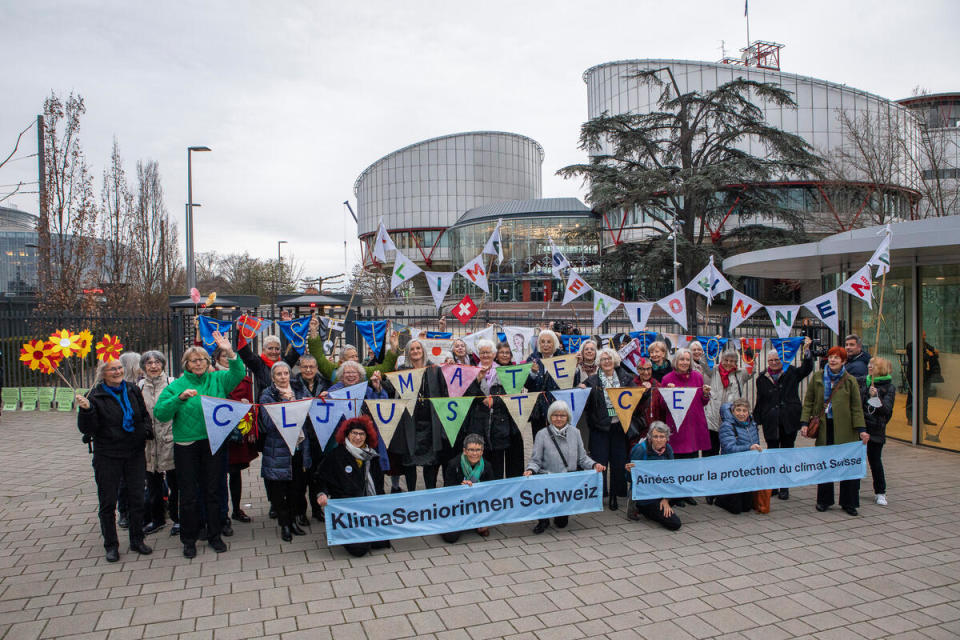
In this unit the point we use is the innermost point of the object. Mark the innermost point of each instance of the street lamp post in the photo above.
(276, 281)
(191, 263)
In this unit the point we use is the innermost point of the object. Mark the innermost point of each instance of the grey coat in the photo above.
(546, 459)
(159, 451)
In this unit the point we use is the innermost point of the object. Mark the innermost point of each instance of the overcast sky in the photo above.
(297, 98)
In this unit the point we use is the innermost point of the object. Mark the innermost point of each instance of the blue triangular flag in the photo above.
(646, 338)
(787, 348)
(712, 347)
(373, 332)
(571, 343)
(296, 332)
(576, 399)
(205, 328)
(221, 417)
(439, 335)
(355, 393)
(325, 415)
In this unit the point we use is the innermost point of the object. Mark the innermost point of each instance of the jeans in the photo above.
(200, 474)
(108, 473)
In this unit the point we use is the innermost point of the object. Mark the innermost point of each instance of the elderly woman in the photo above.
(159, 451)
(699, 358)
(504, 355)
(692, 435)
(587, 364)
(658, 359)
(259, 365)
(117, 419)
(878, 393)
(834, 398)
(240, 452)
(328, 368)
(778, 405)
(349, 374)
(655, 446)
(348, 471)
(727, 383)
(548, 346)
(737, 434)
(467, 468)
(283, 473)
(557, 449)
(460, 354)
(196, 466)
(649, 408)
(608, 439)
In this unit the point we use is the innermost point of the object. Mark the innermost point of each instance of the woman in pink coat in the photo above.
(692, 436)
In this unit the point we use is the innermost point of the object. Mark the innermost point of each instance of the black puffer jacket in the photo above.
(277, 461)
(778, 403)
(876, 418)
(339, 476)
(104, 421)
(260, 370)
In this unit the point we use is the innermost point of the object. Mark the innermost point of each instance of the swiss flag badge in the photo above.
(464, 310)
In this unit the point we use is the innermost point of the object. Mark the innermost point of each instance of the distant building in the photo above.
(18, 252)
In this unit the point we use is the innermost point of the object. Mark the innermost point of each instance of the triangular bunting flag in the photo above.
(513, 377)
(712, 348)
(860, 285)
(325, 415)
(787, 348)
(825, 309)
(675, 304)
(625, 401)
(452, 412)
(475, 272)
(630, 354)
(639, 313)
(355, 393)
(742, 308)
(249, 327)
(386, 414)
(373, 333)
(205, 328)
(576, 287)
(575, 398)
(458, 377)
(881, 257)
(561, 369)
(382, 243)
(571, 343)
(484, 334)
(603, 306)
(646, 338)
(494, 246)
(750, 349)
(403, 270)
(679, 401)
(439, 283)
(557, 260)
(407, 382)
(783, 317)
(221, 416)
(296, 332)
(520, 407)
(709, 282)
(288, 417)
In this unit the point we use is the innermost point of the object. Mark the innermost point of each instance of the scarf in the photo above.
(775, 375)
(609, 383)
(471, 474)
(871, 380)
(829, 380)
(267, 361)
(120, 395)
(364, 456)
(661, 366)
(589, 368)
(725, 376)
(560, 433)
(489, 380)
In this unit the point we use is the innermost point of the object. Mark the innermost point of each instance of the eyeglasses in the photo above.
(358, 434)
(112, 369)
(196, 360)
(474, 450)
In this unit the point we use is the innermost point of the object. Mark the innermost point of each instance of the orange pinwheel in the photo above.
(84, 343)
(65, 342)
(109, 348)
(37, 353)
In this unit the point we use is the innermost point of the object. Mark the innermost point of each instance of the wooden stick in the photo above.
(883, 286)
(57, 371)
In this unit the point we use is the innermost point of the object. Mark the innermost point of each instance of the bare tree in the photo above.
(373, 284)
(155, 270)
(937, 156)
(16, 146)
(115, 256)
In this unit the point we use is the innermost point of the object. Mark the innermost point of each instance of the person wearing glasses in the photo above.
(467, 468)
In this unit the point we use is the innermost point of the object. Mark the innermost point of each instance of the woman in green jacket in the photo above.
(328, 368)
(834, 396)
(195, 464)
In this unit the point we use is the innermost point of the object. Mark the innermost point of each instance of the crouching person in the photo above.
(737, 433)
(655, 446)
(349, 469)
(467, 468)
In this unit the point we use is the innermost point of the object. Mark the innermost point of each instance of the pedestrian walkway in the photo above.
(891, 572)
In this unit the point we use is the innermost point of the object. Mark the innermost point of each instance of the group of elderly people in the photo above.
(152, 432)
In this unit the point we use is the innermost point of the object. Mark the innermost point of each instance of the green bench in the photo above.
(28, 398)
(10, 398)
(64, 399)
(45, 398)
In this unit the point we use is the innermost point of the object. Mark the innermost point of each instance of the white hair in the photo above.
(351, 364)
(682, 351)
(557, 407)
(270, 340)
(607, 351)
(552, 336)
(484, 343)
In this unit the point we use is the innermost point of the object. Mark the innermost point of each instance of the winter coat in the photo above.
(328, 368)
(277, 463)
(641, 451)
(540, 381)
(736, 436)
(104, 421)
(339, 476)
(159, 451)
(857, 365)
(320, 385)
(187, 415)
(778, 402)
(660, 374)
(453, 473)
(848, 419)
(693, 434)
(739, 382)
(260, 370)
(241, 454)
(876, 418)
(546, 458)
(650, 408)
(598, 418)
(493, 424)
(420, 439)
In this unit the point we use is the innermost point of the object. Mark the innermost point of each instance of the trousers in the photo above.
(200, 475)
(108, 473)
(155, 492)
(874, 449)
(609, 448)
(653, 512)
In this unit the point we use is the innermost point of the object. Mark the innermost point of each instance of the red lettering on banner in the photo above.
(861, 288)
(576, 285)
(744, 311)
(475, 272)
(675, 305)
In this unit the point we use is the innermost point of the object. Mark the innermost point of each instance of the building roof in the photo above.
(319, 300)
(930, 240)
(226, 301)
(17, 220)
(523, 208)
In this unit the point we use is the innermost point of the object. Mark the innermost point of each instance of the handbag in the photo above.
(813, 427)
(761, 501)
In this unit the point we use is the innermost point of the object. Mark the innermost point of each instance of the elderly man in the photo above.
(467, 468)
(857, 357)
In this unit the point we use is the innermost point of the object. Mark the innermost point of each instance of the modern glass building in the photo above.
(421, 190)
(528, 225)
(939, 116)
(18, 252)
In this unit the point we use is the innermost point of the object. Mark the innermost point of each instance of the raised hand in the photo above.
(223, 343)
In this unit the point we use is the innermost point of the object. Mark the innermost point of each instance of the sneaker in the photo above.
(123, 522)
(175, 529)
(881, 499)
(226, 530)
(153, 527)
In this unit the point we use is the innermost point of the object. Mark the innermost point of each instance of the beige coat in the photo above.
(159, 450)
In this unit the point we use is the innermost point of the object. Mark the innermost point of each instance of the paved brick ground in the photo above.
(892, 572)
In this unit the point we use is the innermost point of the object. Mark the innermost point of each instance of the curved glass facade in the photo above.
(18, 252)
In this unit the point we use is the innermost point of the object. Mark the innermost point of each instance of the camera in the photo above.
(818, 349)
(562, 327)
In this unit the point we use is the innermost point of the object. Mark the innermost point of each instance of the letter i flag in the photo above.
(575, 398)
(288, 418)
(678, 400)
(221, 417)
(513, 377)
(355, 394)
(625, 401)
(464, 310)
(387, 414)
(439, 283)
(452, 412)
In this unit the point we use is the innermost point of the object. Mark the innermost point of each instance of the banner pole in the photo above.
(883, 287)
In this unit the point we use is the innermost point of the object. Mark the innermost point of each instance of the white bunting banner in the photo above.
(520, 407)
(679, 400)
(860, 285)
(288, 418)
(519, 340)
(639, 313)
(825, 309)
(576, 399)
(386, 414)
(475, 272)
(437, 349)
(709, 282)
(675, 304)
(382, 243)
(783, 317)
(325, 416)
(576, 287)
(557, 261)
(355, 393)
(494, 245)
(881, 257)
(221, 416)
(561, 369)
(439, 283)
(484, 334)
(742, 308)
(603, 306)
(403, 269)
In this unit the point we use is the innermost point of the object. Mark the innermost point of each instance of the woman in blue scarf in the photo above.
(834, 396)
